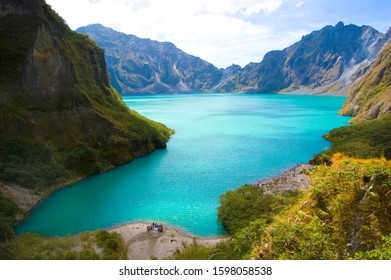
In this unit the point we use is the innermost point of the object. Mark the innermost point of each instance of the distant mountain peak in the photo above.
(140, 65)
(325, 61)
(340, 25)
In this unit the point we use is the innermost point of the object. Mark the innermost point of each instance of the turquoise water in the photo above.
(222, 141)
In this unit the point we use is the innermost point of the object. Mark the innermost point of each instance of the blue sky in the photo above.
(224, 32)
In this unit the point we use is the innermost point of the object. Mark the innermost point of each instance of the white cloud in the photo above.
(219, 31)
(266, 6)
(299, 4)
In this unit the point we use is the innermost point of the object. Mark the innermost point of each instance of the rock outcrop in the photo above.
(59, 117)
(141, 65)
(325, 61)
(370, 97)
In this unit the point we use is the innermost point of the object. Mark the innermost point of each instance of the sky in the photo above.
(224, 32)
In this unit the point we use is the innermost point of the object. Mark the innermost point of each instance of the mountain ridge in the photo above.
(139, 65)
(323, 61)
(327, 61)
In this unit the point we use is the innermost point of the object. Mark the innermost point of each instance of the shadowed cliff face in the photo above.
(20, 7)
(55, 94)
(370, 97)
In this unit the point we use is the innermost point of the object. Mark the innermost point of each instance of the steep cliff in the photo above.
(328, 60)
(325, 61)
(59, 117)
(143, 65)
(370, 97)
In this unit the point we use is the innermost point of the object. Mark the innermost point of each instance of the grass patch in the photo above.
(249, 203)
(194, 251)
(346, 211)
(369, 139)
(84, 246)
(8, 211)
(28, 164)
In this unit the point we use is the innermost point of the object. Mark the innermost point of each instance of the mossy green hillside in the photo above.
(59, 117)
(8, 212)
(345, 212)
(368, 139)
(84, 246)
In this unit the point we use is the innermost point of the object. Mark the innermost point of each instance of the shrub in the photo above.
(30, 165)
(369, 139)
(381, 253)
(194, 251)
(344, 212)
(114, 247)
(249, 203)
(8, 211)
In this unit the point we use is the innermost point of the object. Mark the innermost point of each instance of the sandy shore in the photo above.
(144, 245)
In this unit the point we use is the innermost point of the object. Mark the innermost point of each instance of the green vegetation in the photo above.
(18, 164)
(346, 211)
(344, 214)
(60, 118)
(240, 245)
(248, 203)
(370, 98)
(369, 139)
(8, 211)
(80, 126)
(85, 246)
(194, 251)
(114, 247)
(245, 212)
(382, 253)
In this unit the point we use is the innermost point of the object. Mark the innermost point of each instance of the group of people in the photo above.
(155, 226)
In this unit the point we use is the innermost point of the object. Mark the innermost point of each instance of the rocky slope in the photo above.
(59, 117)
(344, 213)
(370, 97)
(327, 60)
(143, 65)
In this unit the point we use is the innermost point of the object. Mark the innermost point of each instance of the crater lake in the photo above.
(222, 141)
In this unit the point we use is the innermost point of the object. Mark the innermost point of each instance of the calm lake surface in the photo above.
(222, 141)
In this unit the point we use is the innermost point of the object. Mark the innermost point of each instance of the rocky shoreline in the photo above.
(294, 179)
(27, 199)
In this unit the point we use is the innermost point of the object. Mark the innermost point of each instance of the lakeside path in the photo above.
(144, 245)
